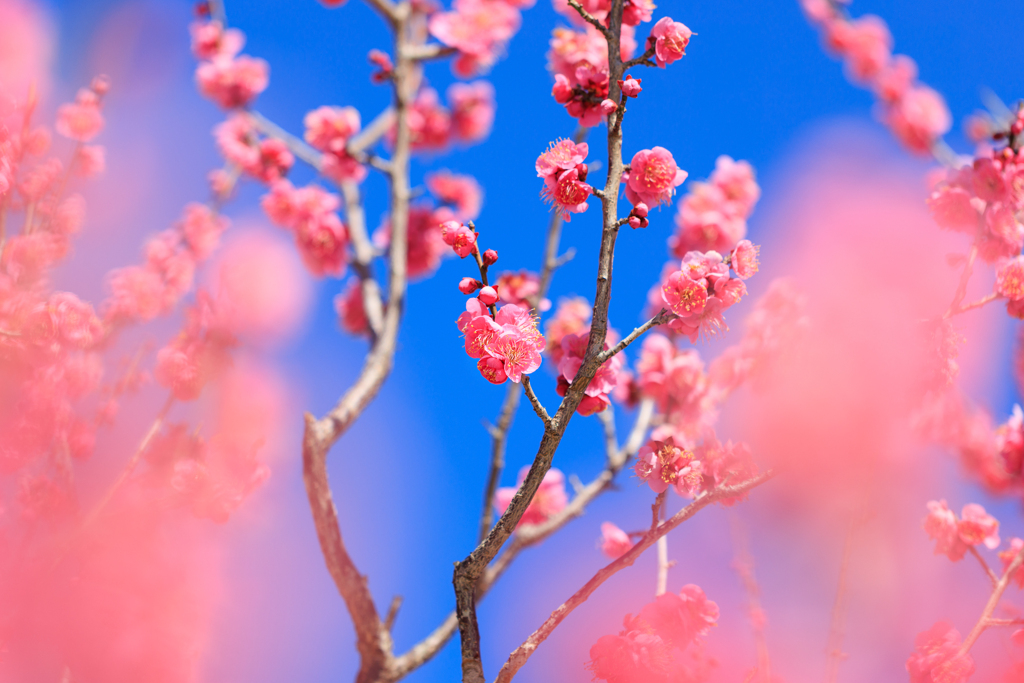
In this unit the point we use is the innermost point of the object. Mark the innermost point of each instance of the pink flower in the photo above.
(289, 207)
(653, 177)
(493, 371)
(80, 120)
(1004, 235)
(90, 160)
(561, 155)
(671, 39)
(328, 129)
(1009, 555)
(567, 193)
(867, 46)
(987, 181)
(459, 237)
(202, 229)
(941, 526)
(572, 316)
(1010, 279)
(349, 307)
(479, 29)
(517, 351)
(322, 241)
(462, 192)
(895, 78)
(233, 82)
(549, 500)
(472, 106)
(935, 659)
(76, 322)
(136, 294)
(468, 285)
(684, 296)
(976, 526)
(919, 118)
(951, 206)
(662, 464)
(614, 541)
(738, 185)
(488, 295)
(518, 288)
(574, 348)
(210, 40)
(744, 259)
(677, 619)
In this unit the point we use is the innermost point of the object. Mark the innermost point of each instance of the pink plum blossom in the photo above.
(614, 541)
(653, 177)
(549, 500)
(670, 41)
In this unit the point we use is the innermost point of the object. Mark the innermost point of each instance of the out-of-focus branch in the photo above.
(373, 640)
(663, 566)
(837, 628)
(424, 53)
(522, 654)
(499, 440)
(296, 145)
(744, 564)
(355, 216)
(984, 566)
(369, 136)
(993, 601)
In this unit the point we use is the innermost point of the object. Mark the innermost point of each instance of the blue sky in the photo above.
(755, 85)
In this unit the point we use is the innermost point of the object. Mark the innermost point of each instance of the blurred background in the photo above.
(842, 206)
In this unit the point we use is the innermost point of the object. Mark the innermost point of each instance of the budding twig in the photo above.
(535, 402)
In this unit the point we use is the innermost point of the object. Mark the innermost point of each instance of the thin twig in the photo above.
(522, 654)
(591, 19)
(662, 317)
(990, 606)
(834, 650)
(535, 402)
(499, 440)
(662, 584)
(984, 565)
(974, 304)
(644, 59)
(744, 564)
(389, 620)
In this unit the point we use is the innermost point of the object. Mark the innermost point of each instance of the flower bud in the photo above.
(490, 257)
(488, 295)
(468, 285)
(630, 86)
(640, 209)
(607, 107)
(581, 169)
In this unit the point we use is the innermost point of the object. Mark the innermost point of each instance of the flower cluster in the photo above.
(702, 289)
(198, 353)
(462, 193)
(507, 345)
(916, 114)
(572, 316)
(713, 215)
(663, 464)
(985, 200)
(549, 500)
(565, 175)
(651, 643)
(467, 120)
(231, 80)
(309, 213)
(265, 160)
(141, 293)
(578, 60)
(479, 29)
(953, 537)
(328, 129)
(936, 657)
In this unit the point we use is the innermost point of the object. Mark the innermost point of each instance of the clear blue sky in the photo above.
(755, 85)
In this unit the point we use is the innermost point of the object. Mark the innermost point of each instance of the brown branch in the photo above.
(469, 571)
(990, 606)
(424, 53)
(984, 566)
(522, 654)
(535, 402)
(663, 316)
(296, 145)
(590, 19)
(529, 535)
(499, 440)
(373, 641)
(644, 59)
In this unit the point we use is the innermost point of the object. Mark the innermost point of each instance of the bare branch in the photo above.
(369, 136)
(424, 53)
(499, 439)
(355, 217)
(522, 654)
(389, 620)
(997, 593)
(834, 650)
(984, 566)
(662, 317)
(297, 146)
(590, 19)
(535, 402)
(662, 584)
(644, 59)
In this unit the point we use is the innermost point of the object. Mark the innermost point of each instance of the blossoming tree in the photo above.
(65, 376)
